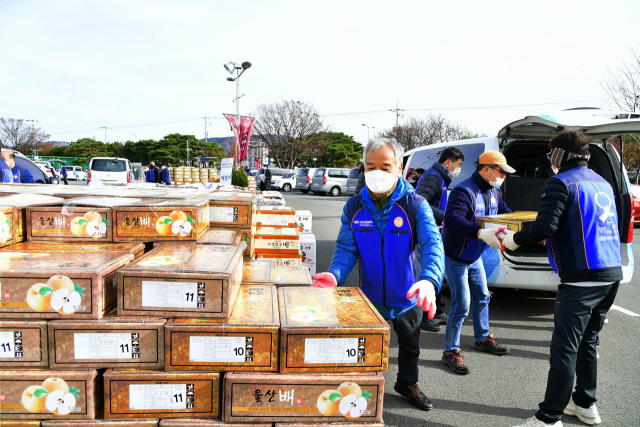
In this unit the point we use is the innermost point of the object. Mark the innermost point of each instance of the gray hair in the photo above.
(378, 143)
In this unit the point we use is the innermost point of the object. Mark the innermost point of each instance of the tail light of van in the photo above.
(308, 179)
(324, 181)
(631, 217)
(88, 175)
(128, 177)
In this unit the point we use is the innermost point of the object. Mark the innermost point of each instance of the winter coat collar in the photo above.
(573, 164)
(444, 172)
(484, 185)
(402, 188)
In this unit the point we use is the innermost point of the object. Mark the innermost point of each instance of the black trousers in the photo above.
(64, 178)
(578, 319)
(407, 327)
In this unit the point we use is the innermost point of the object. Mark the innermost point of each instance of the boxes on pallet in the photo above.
(304, 222)
(24, 344)
(292, 276)
(259, 272)
(112, 342)
(14, 208)
(277, 240)
(154, 394)
(331, 330)
(39, 249)
(59, 286)
(274, 216)
(308, 251)
(101, 423)
(307, 398)
(39, 394)
(181, 280)
(246, 341)
(232, 210)
(203, 422)
(248, 236)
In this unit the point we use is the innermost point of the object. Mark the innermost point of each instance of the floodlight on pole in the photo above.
(368, 128)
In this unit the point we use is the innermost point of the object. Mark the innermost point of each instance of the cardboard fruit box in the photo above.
(8, 227)
(111, 342)
(291, 260)
(36, 249)
(15, 209)
(277, 240)
(203, 422)
(274, 216)
(322, 398)
(292, 276)
(181, 280)
(59, 286)
(516, 221)
(247, 236)
(259, 272)
(246, 341)
(101, 423)
(39, 394)
(331, 330)
(347, 424)
(157, 220)
(232, 210)
(221, 237)
(130, 393)
(23, 344)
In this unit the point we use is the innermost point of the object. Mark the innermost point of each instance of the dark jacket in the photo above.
(361, 182)
(551, 219)
(156, 174)
(166, 177)
(22, 175)
(430, 189)
(267, 179)
(63, 171)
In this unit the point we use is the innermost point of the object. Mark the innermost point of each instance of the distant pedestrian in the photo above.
(360, 185)
(63, 173)
(267, 178)
(165, 175)
(155, 172)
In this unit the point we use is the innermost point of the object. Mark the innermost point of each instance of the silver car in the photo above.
(303, 179)
(352, 181)
(330, 180)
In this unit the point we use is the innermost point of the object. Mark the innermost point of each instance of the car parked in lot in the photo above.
(330, 180)
(284, 183)
(38, 173)
(635, 190)
(352, 181)
(525, 144)
(109, 170)
(303, 179)
(276, 173)
(76, 173)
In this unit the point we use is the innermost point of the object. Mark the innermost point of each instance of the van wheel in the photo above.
(305, 191)
(335, 191)
(286, 188)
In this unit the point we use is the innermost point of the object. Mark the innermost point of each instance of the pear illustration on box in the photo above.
(5, 228)
(177, 224)
(91, 224)
(348, 400)
(54, 395)
(58, 294)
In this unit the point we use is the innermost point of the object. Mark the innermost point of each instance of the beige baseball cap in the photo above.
(495, 158)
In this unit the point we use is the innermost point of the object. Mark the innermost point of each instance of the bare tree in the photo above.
(623, 87)
(288, 129)
(20, 136)
(419, 131)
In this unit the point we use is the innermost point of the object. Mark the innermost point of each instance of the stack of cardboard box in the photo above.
(304, 223)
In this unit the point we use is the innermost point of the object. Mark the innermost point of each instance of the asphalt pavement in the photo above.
(500, 391)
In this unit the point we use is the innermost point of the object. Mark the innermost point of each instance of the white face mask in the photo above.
(379, 181)
(455, 172)
(497, 183)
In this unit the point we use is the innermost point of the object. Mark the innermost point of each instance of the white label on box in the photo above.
(276, 220)
(169, 294)
(216, 349)
(102, 346)
(218, 214)
(331, 350)
(157, 396)
(491, 225)
(7, 346)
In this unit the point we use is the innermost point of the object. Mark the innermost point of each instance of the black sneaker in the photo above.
(416, 397)
(454, 360)
(491, 345)
(441, 318)
(430, 325)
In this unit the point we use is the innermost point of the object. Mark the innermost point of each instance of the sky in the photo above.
(145, 69)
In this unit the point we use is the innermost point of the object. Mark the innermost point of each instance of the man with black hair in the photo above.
(577, 217)
(433, 186)
(154, 172)
(417, 176)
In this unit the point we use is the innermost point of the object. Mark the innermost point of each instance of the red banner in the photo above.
(258, 162)
(246, 126)
(234, 121)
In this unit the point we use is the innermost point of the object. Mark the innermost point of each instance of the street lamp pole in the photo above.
(231, 67)
(368, 128)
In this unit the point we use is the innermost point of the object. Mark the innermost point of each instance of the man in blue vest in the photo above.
(577, 216)
(464, 242)
(381, 227)
(63, 172)
(433, 186)
(20, 175)
(165, 176)
(6, 175)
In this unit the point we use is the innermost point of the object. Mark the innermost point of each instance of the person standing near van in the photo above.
(154, 172)
(464, 242)
(433, 185)
(267, 178)
(63, 173)
(165, 176)
(380, 228)
(578, 217)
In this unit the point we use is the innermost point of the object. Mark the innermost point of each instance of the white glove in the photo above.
(488, 235)
(426, 296)
(508, 242)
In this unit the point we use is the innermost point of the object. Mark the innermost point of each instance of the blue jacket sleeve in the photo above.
(459, 212)
(346, 254)
(431, 247)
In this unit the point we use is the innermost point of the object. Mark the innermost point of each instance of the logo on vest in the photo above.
(607, 209)
(363, 223)
(398, 222)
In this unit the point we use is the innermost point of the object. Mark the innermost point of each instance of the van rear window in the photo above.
(108, 165)
(319, 172)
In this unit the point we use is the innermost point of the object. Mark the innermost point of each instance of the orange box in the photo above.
(275, 216)
(277, 240)
(68, 223)
(259, 272)
(232, 210)
(246, 341)
(291, 260)
(23, 344)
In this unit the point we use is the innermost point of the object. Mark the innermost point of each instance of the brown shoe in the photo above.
(454, 361)
(416, 397)
(491, 345)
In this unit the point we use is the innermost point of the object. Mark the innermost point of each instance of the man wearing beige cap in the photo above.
(464, 243)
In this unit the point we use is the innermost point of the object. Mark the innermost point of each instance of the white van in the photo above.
(525, 144)
(109, 170)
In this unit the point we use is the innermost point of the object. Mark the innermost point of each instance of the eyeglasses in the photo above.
(505, 174)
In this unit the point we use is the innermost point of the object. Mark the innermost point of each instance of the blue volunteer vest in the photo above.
(386, 264)
(462, 247)
(588, 238)
(444, 195)
(150, 175)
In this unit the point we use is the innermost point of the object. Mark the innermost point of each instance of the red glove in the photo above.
(426, 296)
(324, 280)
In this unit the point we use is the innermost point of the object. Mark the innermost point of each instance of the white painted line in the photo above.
(625, 311)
